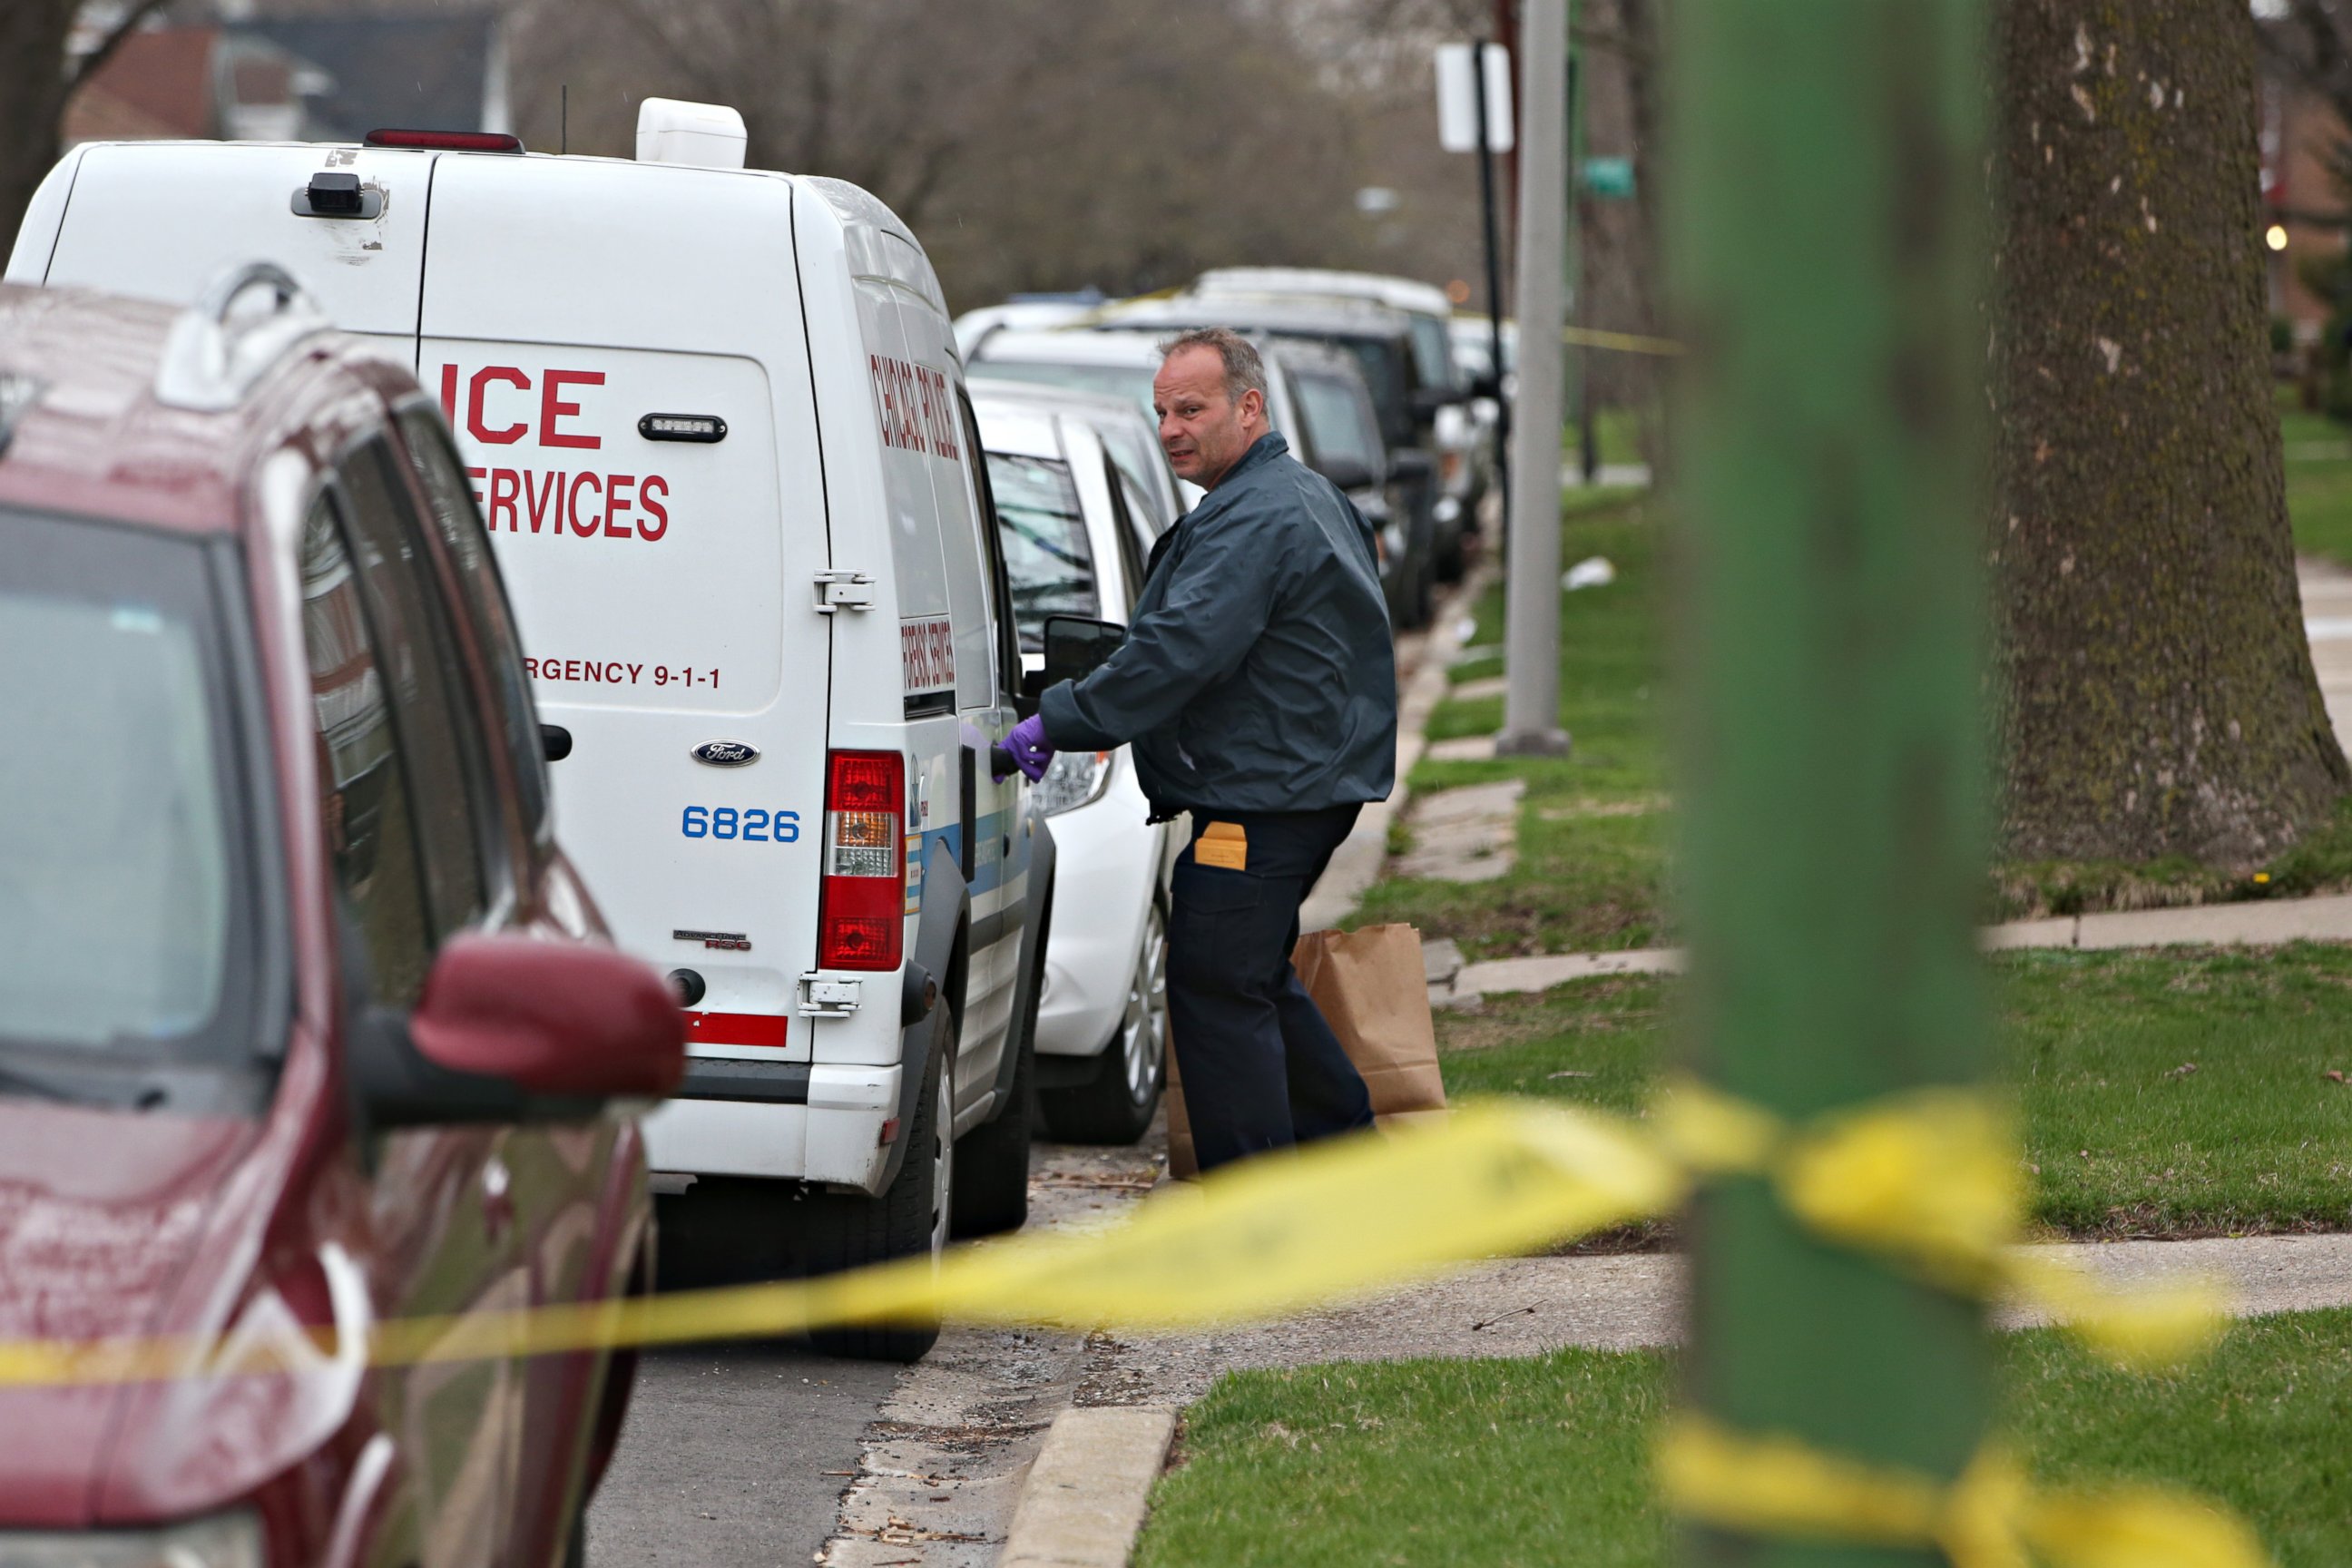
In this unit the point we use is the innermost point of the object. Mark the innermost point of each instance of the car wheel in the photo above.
(1115, 1106)
(991, 1193)
(1424, 596)
(1452, 554)
(909, 1219)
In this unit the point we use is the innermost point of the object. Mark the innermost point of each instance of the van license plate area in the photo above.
(821, 997)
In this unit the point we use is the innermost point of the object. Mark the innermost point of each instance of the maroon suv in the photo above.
(304, 1019)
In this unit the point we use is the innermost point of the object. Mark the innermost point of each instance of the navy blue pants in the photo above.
(1262, 1069)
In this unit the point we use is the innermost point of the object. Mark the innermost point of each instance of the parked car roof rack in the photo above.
(216, 352)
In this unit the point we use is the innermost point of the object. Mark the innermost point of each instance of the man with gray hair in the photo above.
(1257, 685)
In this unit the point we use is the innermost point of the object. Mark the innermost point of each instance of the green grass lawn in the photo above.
(1592, 833)
(2318, 481)
(1432, 1463)
(2257, 1138)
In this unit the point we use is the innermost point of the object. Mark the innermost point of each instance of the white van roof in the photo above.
(1077, 346)
(975, 327)
(1046, 398)
(1404, 293)
(155, 179)
(1016, 426)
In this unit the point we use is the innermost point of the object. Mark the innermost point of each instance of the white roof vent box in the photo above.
(705, 135)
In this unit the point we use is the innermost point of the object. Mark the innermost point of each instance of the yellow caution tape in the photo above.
(1992, 1516)
(1925, 1180)
(1268, 1236)
(1930, 1180)
(1626, 342)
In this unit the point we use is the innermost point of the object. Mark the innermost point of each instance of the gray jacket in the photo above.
(1258, 673)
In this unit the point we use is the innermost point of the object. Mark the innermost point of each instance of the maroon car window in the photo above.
(485, 602)
(439, 741)
(126, 902)
(362, 796)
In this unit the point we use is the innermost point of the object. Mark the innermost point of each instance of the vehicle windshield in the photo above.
(1045, 549)
(125, 926)
(1382, 362)
(1132, 382)
(1336, 424)
(1432, 350)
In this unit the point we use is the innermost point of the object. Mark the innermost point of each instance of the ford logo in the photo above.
(727, 753)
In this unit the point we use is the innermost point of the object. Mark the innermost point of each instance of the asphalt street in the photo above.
(734, 1455)
(737, 1455)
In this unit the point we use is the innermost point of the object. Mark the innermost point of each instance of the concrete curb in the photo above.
(1357, 864)
(2270, 922)
(1084, 1502)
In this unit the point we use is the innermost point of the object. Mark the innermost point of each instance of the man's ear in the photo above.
(1253, 406)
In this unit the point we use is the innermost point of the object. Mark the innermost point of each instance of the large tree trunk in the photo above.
(2158, 690)
(33, 89)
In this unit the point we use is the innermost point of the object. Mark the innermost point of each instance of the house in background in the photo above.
(422, 72)
(249, 75)
(2303, 207)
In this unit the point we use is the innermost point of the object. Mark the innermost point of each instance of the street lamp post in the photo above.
(1531, 646)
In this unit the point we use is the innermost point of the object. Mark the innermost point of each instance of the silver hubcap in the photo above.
(942, 1158)
(1143, 1033)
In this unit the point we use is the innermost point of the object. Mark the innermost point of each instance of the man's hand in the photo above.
(1028, 748)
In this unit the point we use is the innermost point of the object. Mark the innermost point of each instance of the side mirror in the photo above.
(1348, 473)
(1076, 647)
(1411, 463)
(513, 1029)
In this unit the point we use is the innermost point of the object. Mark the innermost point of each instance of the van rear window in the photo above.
(1045, 549)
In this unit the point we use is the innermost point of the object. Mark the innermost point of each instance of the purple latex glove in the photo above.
(1027, 746)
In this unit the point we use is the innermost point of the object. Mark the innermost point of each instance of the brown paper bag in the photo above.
(1183, 1166)
(1372, 990)
(1371, 987)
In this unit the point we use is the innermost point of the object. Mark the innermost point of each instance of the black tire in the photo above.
(1424, 597)
(909, 1219)
(1115, 1106)
(1452, 554)
(991, 1190)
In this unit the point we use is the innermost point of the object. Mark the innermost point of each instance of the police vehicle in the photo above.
(717, 426)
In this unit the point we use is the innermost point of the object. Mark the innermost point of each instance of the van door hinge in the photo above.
(823, 998)
(844, 590)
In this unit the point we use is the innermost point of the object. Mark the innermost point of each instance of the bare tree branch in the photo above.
(94, 61)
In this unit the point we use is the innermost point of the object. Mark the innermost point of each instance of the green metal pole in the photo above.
(1824, 236)
(1580, 367)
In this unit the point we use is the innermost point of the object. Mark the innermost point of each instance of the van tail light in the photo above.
(862, 909)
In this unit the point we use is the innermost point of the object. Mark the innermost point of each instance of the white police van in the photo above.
(718, 428)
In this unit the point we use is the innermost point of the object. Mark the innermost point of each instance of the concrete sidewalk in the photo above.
(2268, 923)
(1358, 861)
(1529, 1305)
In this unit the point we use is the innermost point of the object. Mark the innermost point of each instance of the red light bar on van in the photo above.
(447, 140)
(861, 908)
